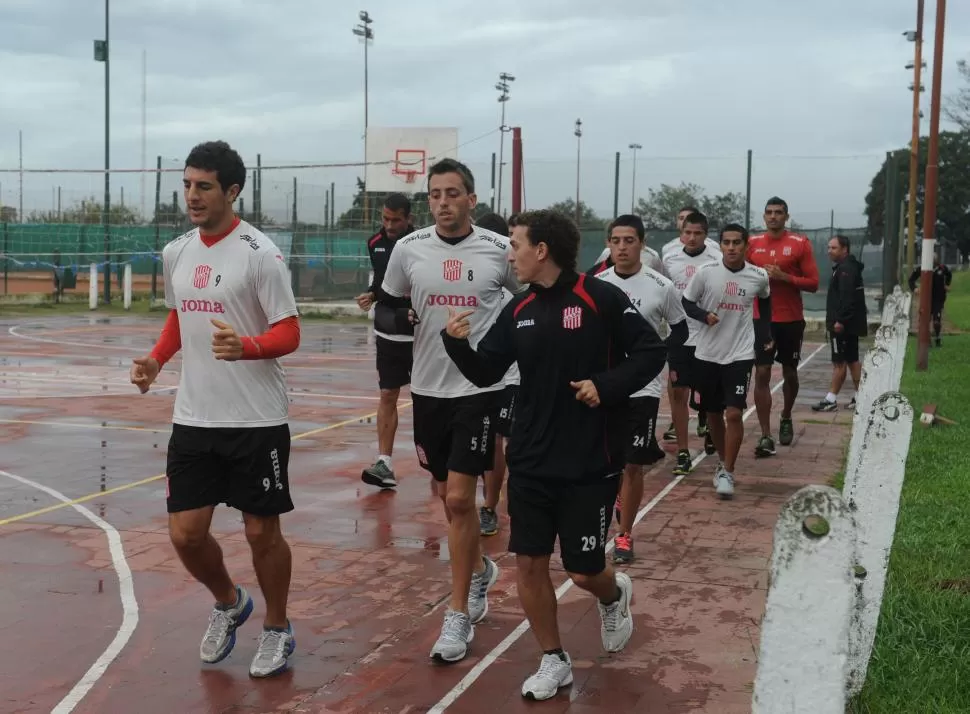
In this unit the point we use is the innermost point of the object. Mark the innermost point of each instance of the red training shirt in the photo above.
(793, 254)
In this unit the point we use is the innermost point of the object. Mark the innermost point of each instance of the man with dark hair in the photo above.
(582, 349)
(942, 277)
(721, 297)
(649, 257)
(393, 336)
(453, 263)
(678, 242)
(230, 438)
(845, 320)
(790, 263)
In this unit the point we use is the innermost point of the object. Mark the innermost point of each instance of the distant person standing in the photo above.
(942, 277)
(845, 320)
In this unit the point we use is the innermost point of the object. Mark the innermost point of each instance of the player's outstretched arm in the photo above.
(488, 364)
(144, 370)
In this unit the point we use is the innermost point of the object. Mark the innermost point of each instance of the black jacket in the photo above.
(845, 302)
(390, 313)
(942, 277)
(580, 328)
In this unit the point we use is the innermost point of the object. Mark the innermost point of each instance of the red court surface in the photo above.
(82, 506)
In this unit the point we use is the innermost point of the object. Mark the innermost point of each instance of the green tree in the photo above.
(8, 214)
(957, 106)
(587, 216)
(89, 212)
(953, 196)
(659, 209)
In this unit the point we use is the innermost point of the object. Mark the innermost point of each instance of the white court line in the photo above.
(16, 333)
(489, 659)
(129, 604)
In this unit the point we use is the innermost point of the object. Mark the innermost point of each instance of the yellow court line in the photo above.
(157, 477)
(83, 426)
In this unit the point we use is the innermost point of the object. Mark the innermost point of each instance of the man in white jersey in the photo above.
(454, 264)
(233, 315)
(648, 257)
(657, 299)
(681, 266)
(721, 299)
(679, 242)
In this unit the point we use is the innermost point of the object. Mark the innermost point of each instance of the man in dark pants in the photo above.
(845, 320)
(582, 349)
(942, 277)
(394, 337)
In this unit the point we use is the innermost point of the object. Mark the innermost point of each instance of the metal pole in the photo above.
(367, 37)
(259, 191)
(20, 214)
(579, 137)
(747, 196)
(106, 209)
(518, 189)
(616, 185)
(158, 225)
(633, 188)
(929, 205)
(492, 201)
(501, 158)
(914, 145)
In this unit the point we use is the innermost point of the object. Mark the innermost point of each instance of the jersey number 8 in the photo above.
(471, 275)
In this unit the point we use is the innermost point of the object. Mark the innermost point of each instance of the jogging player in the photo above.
(682, 265)
(845, 319)
(679, 242)
(582, 348)
(394, 337)
(233, 315)
(453, 263)
(658, 301)
(790, 263)
(721, 298)
(942, 277)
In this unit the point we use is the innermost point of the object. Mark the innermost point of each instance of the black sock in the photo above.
(614, 600)
(558, 652)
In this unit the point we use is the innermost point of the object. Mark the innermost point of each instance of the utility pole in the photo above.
(579, 137)
(633, 190)
(917, 67)
(503, 87)
(366, 34)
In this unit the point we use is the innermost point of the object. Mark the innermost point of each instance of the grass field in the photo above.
(921, 661)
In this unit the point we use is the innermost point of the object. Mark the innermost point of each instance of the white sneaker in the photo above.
(725, 485)
(478, 591)
(617, 627)
(718, 470)
(456, 632)
(553, 673)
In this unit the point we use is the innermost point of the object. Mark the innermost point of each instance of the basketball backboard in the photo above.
(398, 158)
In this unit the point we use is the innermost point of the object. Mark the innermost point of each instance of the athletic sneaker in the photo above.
(786, 432)
(702, 429)
(456, 634)
(554, 672)
(617, 620)
(488, 521)
(718, 470)
(478, 591)
(825, 406)
(379, 475)
(851, 405)
(274, 647)
(623, 548)
(220, 635)
(725, 484)
(670, 434)
(765, 447)
(709, 447)
(684, 463)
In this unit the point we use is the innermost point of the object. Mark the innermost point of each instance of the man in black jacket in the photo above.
(845, 320)
(942, 277)
(582, 349)
(394, 336)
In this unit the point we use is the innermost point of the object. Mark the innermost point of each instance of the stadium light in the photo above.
(366, 34)
(102, 54)
(578, 132)
(916, 65)
(503, 87)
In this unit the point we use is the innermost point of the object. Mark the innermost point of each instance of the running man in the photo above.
(790, 263)
(658, 301)
(942, 277)
(681, 266)
(453, 263)
(567, 448)
(394, 337)
(230, 301)
(679, 242)
(721, 297)
(845, 319)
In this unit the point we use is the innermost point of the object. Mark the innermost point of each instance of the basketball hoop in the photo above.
(409, 176)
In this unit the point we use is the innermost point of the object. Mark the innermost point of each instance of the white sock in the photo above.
(386, 460)
(830, 397)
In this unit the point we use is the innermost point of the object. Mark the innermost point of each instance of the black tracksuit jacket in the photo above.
(390, 313)
(580, 328)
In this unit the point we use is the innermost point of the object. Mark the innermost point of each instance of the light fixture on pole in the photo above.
(633, 189)
(578, 132)
(101, 54)
(366, 36)
(917, 66)
(503, 87)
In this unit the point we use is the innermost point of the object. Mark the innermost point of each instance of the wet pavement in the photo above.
(370, 572)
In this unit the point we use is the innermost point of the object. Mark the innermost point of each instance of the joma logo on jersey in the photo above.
(572, 318)
(213, 306)
(452, 269)
(525, 323)
(453, 300)
(201, 279)
(252, 241)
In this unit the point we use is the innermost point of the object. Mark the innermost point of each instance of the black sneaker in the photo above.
(765, 447)
(786, 432)
(379, 475)
(709, 447)
(683, 465)
(825, 406)
(670, 434)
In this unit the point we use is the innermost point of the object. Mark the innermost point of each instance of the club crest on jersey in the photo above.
(201, 279)
(732, 288)
(691, 269)
(786, 250)
(572, 318)
(452, 269)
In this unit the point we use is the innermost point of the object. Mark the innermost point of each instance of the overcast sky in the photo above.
(696, 82)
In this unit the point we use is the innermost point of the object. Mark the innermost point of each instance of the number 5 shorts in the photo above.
(455, 433)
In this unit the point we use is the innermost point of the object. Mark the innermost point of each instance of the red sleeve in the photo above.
(808, 280)
(280, 339)
(169, 342)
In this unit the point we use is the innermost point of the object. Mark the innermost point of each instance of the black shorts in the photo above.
(245, 468)
(787, 347)
(455, 434)
(506, 410)
(724, 385)
(642, 448)
(394, 360)
(682, 364)
(578, 514)
(845, 348)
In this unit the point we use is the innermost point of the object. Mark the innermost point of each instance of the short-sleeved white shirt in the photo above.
(681, 267)
(240, 280)
(656, 298)
(731, 295)
(468, 275)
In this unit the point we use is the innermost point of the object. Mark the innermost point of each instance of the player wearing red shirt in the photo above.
(790, 263)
